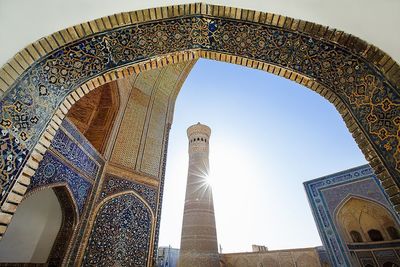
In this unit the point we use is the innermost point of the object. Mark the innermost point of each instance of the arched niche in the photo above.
(41, 228)
(368, 218)
(42, 82)
(121, 233)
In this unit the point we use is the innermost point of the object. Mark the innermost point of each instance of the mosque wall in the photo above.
(356, 222)
(139, 141)
(70, 164)
(305, 257)
(135, 163)
(110, 153)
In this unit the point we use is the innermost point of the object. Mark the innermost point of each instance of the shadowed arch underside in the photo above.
(43, 81)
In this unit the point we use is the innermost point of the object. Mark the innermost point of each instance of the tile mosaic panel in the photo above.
(113, 184)
(80, 139)
(72, 160)
(71, 151)
(53, 171)
(161, 192)
(121, 234)
(31, 101)
(13, 155)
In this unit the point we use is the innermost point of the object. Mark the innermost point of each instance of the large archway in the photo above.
(43, 81)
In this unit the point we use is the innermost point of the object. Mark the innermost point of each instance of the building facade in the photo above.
(356, 222)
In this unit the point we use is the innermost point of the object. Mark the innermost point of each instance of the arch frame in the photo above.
(32, 153)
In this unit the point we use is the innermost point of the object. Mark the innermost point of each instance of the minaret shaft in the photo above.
(199, 245)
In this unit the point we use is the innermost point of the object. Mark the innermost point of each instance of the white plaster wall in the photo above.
(24, 21)
(34, 227)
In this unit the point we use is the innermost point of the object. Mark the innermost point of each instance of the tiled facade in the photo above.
(121, 234)
(70, 160)
(328, 194)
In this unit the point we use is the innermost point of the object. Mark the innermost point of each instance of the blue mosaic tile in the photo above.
(81, 139)
(53, 171)
(113, 184)
(13, 155)
(74, 154)
(121, 234)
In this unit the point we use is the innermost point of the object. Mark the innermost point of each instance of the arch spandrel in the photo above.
(53, 73)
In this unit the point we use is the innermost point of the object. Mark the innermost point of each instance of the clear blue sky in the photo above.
(269, 135)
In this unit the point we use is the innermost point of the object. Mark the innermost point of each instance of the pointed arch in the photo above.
(131, 220)
(366, 223)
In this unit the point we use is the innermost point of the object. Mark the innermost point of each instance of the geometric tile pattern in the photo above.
(72, 160)
(121, 234)
(31, 101)
(113, 184)
(53, 171)
(74, 153)
(12, 156)
(79, 138)
(324, 198)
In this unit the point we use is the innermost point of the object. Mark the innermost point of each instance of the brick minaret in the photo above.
(199, 246)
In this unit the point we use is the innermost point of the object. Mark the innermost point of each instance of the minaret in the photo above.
(199, 246)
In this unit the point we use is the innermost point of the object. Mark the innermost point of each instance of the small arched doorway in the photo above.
(41, 228)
